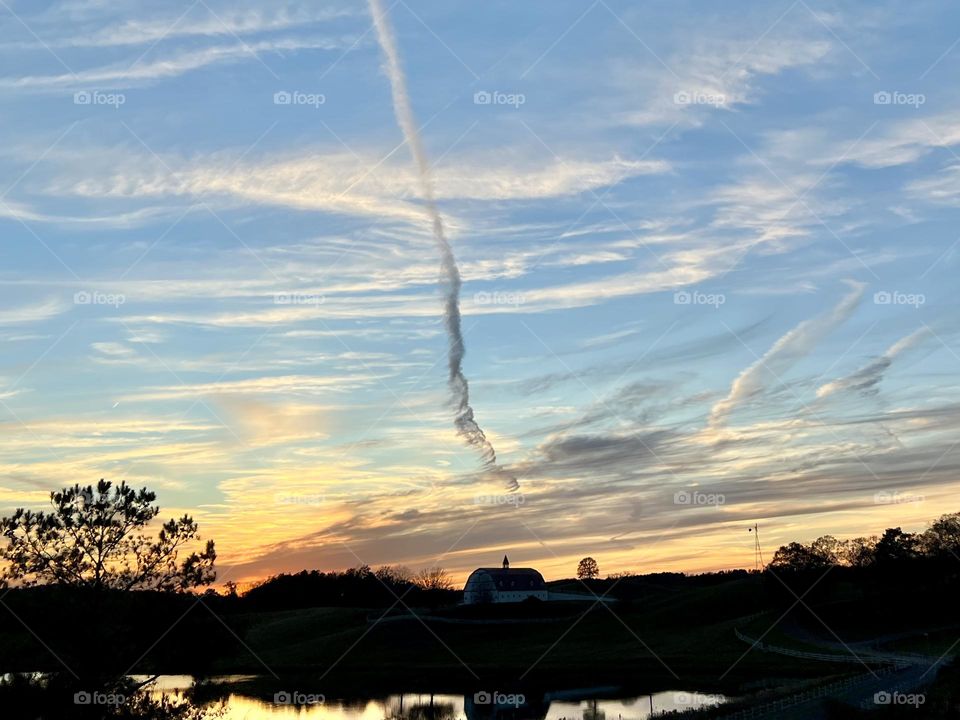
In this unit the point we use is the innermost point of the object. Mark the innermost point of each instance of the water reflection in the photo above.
(503, 706)
(435, 709)
(179, 697)
(567, 705)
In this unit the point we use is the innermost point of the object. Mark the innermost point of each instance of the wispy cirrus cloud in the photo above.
(227, 21)
(343, 182)
(123, 23)
(137, 73)
(717, 74)
(35, 313)
(768, 369)
(866, 379)
(745, 158)
(897, 142)
(941, 188)
(269, 385)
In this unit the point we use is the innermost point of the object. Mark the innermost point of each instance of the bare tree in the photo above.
(434, 578)
(396, 574)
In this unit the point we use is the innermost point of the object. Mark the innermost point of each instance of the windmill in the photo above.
(757, 552)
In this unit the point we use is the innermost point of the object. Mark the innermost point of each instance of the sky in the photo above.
(709, 274)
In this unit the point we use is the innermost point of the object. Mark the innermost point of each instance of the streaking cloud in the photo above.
(464, 420)
(800, 341)
(866, 379)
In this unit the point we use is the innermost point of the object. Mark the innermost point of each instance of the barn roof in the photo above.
(514, 578)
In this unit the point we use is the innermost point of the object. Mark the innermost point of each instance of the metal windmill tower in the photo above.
(757, 551)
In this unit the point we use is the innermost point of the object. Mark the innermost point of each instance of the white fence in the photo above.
(895, 664)
(898, 659)
(816, 693)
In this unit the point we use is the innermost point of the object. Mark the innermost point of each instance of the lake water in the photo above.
(300, 704)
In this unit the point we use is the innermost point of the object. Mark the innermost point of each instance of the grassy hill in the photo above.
(665, 636)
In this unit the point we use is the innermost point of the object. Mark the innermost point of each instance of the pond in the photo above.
(307, 704)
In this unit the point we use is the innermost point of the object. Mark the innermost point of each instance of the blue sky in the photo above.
(703, 252)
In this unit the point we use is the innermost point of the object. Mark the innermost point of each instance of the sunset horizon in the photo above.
(418, 360)
(222, 282)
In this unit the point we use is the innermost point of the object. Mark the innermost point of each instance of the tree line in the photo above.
(941, 541)
(356, 587)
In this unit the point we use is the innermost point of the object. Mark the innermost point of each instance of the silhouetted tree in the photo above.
(94, 538)
(89, 552)
(395, 574)
(859, 552)
(587, 569)
(943, 537)
(896, 546)
(797, 557)
(828, 549)
(434, 578)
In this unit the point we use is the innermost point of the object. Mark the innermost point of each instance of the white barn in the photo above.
(504, 585)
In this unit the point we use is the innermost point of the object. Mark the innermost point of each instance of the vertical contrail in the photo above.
(464, 419)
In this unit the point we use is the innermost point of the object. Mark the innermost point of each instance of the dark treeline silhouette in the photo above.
(111, 633)
(894, 549)
(873, 584)
(362, 587)
(358, 587)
